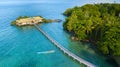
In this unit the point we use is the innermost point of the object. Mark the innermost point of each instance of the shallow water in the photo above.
(19, 45)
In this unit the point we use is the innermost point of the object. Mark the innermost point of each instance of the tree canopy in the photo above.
(96, 22)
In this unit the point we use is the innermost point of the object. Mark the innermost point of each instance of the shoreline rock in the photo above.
(74, 38)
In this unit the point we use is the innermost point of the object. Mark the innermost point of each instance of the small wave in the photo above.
(46, 52)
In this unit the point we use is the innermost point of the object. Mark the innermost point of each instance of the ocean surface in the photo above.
(21, 46)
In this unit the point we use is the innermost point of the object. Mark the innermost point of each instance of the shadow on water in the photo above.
(112, 62)
(108, 59)
(91, 54)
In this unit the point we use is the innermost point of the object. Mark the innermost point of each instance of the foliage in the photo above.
(96, 22)
(22, 17)
(47, 20)
(50, 20)
(13, 22)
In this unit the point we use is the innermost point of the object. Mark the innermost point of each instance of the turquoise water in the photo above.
(19, 45)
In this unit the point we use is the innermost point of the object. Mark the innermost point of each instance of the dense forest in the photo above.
(98, 23)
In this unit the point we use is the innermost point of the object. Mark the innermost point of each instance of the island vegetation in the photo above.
(96, 23)
(26, 20)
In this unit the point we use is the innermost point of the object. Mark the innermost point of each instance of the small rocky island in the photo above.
(25, 20)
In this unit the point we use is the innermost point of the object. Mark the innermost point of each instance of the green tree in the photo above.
(96, 22)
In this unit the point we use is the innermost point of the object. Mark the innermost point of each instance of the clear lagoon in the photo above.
(19, 46)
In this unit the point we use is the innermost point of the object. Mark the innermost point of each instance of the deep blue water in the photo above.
(19, 45)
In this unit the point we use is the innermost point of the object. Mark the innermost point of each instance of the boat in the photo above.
(46, 52)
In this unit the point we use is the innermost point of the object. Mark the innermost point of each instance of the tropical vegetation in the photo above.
(98, 23)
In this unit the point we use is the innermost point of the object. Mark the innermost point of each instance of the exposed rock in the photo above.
(74, 38)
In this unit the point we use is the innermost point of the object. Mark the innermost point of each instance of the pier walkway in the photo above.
(80, 60)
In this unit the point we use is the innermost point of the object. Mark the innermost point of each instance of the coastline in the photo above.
(28, 41)
(82, 25)
(110, 59)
